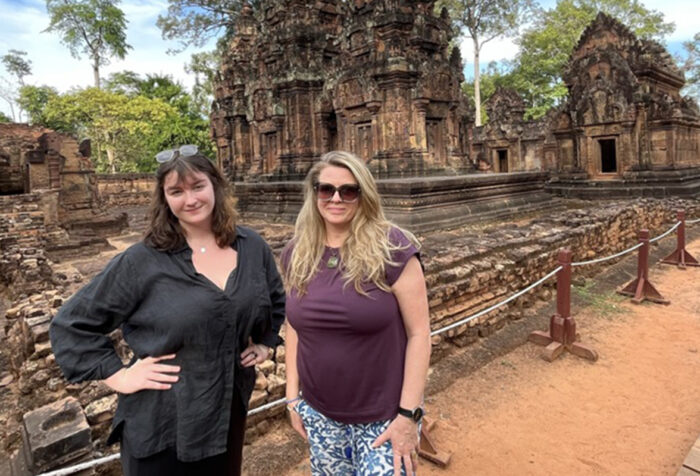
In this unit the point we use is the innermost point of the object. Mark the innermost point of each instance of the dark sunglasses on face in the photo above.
(169, 154)
(349, 192)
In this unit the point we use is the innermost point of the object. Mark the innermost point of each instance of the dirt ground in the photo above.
(636, 411)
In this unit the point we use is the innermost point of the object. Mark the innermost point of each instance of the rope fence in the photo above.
(600, 260)
(496, 306)
(663, 235)
(545, 338)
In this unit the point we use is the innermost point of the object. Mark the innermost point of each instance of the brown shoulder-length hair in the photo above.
(164, 231)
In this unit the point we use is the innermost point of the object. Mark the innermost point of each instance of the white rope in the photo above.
(690, 222)
(262, 408)
(599, 260)
(667, 232)
(81, 466)
(495, 306)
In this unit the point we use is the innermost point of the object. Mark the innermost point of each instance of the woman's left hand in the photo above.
(403, 434)
(254, 354)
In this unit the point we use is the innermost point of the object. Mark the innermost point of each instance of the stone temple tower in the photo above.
(301, 78)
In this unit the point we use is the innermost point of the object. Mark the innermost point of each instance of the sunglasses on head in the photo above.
(169, 154)
(348, 192)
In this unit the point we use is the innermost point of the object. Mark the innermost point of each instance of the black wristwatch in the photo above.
(415, 414)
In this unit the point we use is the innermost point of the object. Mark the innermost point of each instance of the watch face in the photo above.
(417, 414)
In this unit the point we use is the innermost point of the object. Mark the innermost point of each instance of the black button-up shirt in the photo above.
(164, 306)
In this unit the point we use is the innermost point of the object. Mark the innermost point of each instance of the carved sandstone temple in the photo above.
(371, 76)
(625, 130)
(509, 143)
(368, 76)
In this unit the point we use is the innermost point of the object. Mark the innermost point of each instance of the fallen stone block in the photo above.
(55, 434)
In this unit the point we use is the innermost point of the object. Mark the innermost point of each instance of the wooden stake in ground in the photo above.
(562, 326)
(641, 288)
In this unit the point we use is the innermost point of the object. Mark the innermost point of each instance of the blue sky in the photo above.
(24, 20)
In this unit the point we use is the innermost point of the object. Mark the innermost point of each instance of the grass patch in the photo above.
(508, 363)
(604, 304)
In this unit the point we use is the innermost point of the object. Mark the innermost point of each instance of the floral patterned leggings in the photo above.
(341, 449)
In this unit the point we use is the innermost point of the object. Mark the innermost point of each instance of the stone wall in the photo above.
(24, 267)
(470, 271)
(126, 190)
(466, 270)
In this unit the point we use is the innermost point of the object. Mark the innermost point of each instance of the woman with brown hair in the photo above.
(199, 302)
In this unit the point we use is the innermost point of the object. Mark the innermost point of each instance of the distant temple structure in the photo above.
(509, 143)
(625, 130)
(56, 169)
(370, 76)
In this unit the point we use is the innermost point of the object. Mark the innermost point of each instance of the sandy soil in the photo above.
(636, 411)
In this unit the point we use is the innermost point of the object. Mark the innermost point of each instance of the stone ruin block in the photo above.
(55, 434)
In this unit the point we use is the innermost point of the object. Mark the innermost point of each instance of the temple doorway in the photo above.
(503, 160)
(608, 158)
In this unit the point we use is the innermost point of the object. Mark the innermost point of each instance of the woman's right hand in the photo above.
(295, 420)
(144, 374)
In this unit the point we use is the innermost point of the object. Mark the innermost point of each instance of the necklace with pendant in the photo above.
(333, 259)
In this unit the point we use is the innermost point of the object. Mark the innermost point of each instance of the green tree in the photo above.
(545, 46)
(17, 65)
(203, 66)
(690, 65)
(4, 118)
(496, 75)
(188, 127)
(33, 100)
(96, 28)
(483, 21)
(195, 22)
(121, 127)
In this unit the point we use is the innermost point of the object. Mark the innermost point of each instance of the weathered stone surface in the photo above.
(625, 130)
(302, 78)
(275, 386)
(260, 381)
(258, 398)
(55, 434)
(101, 410)
(267, 367)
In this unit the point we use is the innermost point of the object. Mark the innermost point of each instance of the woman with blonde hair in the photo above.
(358, 334)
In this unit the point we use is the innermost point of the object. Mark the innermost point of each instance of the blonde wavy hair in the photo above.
(365, 253)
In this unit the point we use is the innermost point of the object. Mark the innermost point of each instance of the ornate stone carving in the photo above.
(368, 76)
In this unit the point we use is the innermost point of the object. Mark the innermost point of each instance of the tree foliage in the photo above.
(203, 66)
(33, 100)
(17, 65)
(548, 42)
(690, 65)
(195, 22)
(96, 28)
(121, 127)
(4, 119)
(483, 21)
(187, 127)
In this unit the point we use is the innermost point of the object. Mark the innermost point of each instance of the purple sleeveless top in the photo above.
(352, 347)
